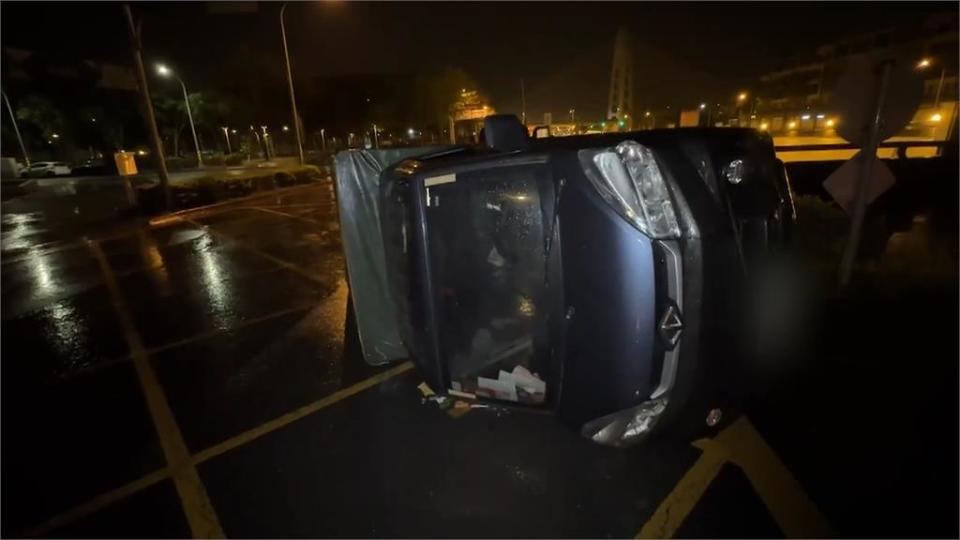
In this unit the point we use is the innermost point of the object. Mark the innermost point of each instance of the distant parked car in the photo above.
(96, 167)
(46, 169)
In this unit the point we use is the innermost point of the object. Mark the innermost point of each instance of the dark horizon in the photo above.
(563, 51)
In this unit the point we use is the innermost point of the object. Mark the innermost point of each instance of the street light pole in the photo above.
(164, 71)
(226, 135)
(293, 98)
(13, 118)
(936, 100)
(193, 129)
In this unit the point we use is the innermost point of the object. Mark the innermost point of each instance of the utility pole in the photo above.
(23, 149)
(293, 98)
(149, 117)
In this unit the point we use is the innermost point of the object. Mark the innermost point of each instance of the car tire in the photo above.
(50, 174)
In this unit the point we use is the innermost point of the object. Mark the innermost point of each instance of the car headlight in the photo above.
(629, 178)
(627, 427)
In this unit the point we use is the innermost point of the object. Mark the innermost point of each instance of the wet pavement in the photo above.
(193, 379)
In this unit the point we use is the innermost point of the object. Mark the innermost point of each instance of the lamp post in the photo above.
(226, 135)
(293, 98)
(13, 118)
(323, 139)
(164, 71)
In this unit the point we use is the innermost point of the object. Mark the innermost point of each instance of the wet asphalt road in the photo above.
(224, 334)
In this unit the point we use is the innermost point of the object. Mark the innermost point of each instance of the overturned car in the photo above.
(597, 276)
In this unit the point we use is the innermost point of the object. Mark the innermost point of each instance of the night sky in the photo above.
(562, 50)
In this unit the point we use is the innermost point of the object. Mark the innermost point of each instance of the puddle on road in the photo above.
(185, 235)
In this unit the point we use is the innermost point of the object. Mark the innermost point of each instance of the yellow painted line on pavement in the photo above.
(106, 499)
(97, 503)
(274, 259)
(785, 498)
(166, 219)
(197, 507)
(297, 414)
(741, 444)
(100, 366)
(284, 214)
(674, 509)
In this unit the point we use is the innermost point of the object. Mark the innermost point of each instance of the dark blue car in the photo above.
(596, 276)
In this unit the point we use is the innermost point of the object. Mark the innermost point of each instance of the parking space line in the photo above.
(196, 338)
(284, 214)
(674, 509)
(212, 209)
(197, 507)
(98, 503)
(785, 498)
(275, 260)
(741, 444)
(106, 499)
(293, 416)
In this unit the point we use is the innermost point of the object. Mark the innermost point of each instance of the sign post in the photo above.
(868, 157)
(893, 93)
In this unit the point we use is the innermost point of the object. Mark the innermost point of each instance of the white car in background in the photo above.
(46, 169)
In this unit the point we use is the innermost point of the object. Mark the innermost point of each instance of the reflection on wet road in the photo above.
(220, 397)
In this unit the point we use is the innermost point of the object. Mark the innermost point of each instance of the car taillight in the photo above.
(630, 180)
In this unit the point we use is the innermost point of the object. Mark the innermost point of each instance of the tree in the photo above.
(209, 112)
(40, 119)
(438, 94)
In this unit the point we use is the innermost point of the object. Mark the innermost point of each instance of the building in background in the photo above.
(795, 100)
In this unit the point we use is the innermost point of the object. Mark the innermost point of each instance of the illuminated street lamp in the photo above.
(923, 63)
(286, 128)
(742, 97)
(703, 106)
(164, 71)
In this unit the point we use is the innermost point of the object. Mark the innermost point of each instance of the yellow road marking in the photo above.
(788, 503)
(100, 366)
(98, 503)
(742, 445)
(297, 414)
(674, 509)
(102, 501)
(275, 260)
(284, 214)
(193, 495)
(166, 219)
